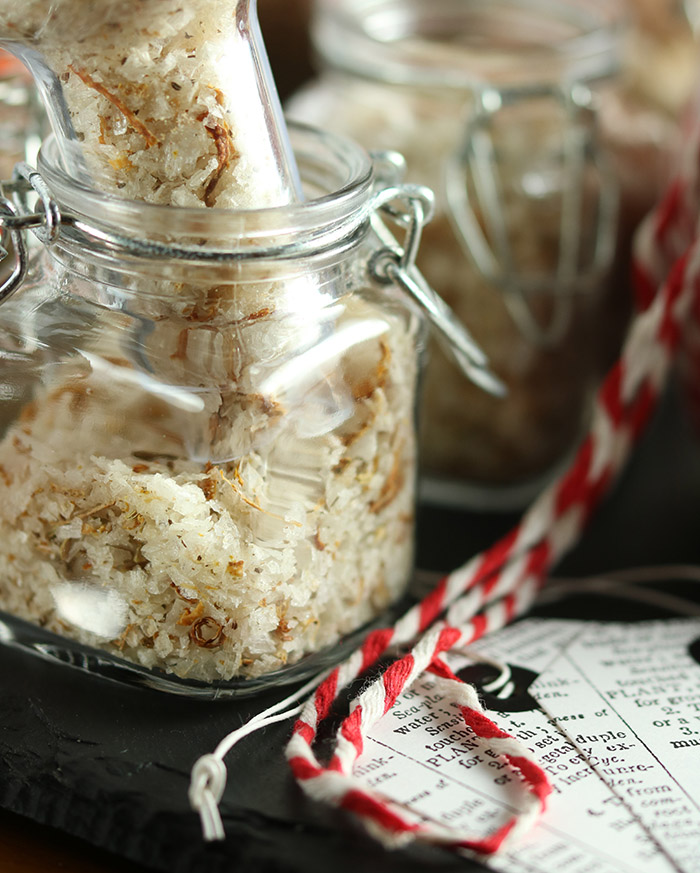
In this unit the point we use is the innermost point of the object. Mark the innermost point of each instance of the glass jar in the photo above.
(516, 116)
(208, 455)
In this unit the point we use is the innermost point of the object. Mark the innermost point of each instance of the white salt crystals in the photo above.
(165, 98)
(211, 570)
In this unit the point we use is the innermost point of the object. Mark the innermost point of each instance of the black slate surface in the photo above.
(110, 764)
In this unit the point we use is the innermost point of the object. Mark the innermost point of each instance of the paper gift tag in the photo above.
(421, 753)
(628, 695)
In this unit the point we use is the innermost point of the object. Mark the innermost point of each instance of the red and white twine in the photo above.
(499, 584)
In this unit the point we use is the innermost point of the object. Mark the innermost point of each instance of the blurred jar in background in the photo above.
(661, 61)
(544, 159)
(21, 118)
(641, 116)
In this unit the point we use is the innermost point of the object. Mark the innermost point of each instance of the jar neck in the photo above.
(467, 45)
(116, 245)
(126, 239)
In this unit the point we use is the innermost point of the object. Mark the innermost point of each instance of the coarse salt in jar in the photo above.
(516, 115)
(208, 455)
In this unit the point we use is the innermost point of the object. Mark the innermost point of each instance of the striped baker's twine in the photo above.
(492, 588)
(666, 240)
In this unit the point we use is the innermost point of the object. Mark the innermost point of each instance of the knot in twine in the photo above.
(207, 784)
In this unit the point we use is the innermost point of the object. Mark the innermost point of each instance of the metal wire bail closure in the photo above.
(394, 263)
(17, 216)
(474, 189)
(12, 245)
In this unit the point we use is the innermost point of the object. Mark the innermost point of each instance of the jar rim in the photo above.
(458, 44)
(337, 174)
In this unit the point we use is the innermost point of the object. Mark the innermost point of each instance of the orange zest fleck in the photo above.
(135, 123)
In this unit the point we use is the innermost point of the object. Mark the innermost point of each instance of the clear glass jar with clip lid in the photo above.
(208, 448)
(513, 113)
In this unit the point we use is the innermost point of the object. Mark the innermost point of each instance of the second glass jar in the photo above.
(207, 460)
(543, 166)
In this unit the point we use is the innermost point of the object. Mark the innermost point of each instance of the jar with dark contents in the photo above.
(519, 118)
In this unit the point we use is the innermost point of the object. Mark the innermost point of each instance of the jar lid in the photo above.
(468, 43)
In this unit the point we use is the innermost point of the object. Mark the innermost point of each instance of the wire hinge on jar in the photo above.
(395, 263)
(16, 217)
(479, 217)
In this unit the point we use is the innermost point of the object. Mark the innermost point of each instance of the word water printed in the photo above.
(613, 714)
